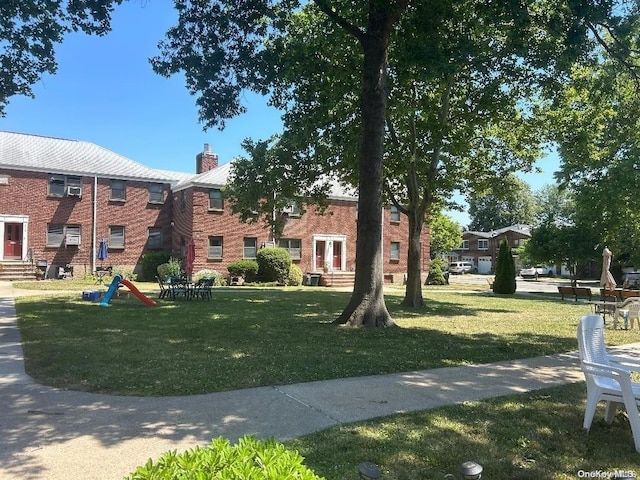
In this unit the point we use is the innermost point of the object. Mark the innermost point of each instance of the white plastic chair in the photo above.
(607, 376)
(632, 307)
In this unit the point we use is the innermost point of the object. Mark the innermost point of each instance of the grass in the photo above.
(247, 337)
(530, 436)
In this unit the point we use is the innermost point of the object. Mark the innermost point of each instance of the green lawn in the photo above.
(532, 436)
(247, 337)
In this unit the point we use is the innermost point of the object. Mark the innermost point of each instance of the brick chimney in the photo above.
(206, 160)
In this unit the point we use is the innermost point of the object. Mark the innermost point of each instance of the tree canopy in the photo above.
(509, 202)
(29, 32)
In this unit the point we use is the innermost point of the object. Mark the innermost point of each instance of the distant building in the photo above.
(481, 248)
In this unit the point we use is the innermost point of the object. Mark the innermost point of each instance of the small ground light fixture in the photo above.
(471, 471)
(369, 471)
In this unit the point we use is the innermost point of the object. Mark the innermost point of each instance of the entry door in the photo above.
(320, 254)
(13, 240)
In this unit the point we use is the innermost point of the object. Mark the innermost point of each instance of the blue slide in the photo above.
(112, 289)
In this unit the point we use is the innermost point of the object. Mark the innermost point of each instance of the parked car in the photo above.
(537, 271)
(461, 267)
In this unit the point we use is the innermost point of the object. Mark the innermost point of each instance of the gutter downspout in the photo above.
(95, 223)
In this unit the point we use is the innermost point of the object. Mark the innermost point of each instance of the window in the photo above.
(292, 209)
(483, 244)
(156, 193)
(183, 200)
(215, 199)
(250, 247)
(293, 246)
(395, 214)
(118, 190)
(395, 251)
(215, 248)
(154, 238)
(464, 245)
(116, 236)
(58, 184)
(56, 233)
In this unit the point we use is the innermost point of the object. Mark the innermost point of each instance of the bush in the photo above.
(173, 268)
(295, 275)
(150, 262)
(436, 277)
(505, 279)
(218, 278)
(247, 269)
(273, 265)
(249, 459)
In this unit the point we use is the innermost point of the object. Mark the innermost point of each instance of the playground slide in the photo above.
(143, 298)
(106, 298)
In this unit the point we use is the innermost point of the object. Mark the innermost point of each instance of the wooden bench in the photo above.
(582, 292)
(565, 291)
(576, 292)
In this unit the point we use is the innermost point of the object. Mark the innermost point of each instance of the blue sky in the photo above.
(106, 93)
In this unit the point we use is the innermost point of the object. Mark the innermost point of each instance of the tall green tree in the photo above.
(460, 81)
(505, 278)
(446, 234)
(596, 126)
(220, 46)
(29, 32)
(509, 203)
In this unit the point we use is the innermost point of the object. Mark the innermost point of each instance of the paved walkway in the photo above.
(47, 433)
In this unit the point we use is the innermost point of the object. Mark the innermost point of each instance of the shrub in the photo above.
(150, 262)
(173, 268)
(247, 269)
(218, 278)
(124, 273)
(436, 277)
(505, 279)
(249, 459)
(273, 264)
(295, 275)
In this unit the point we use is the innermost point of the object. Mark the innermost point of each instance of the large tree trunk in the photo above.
(366, 307)
(413, 291)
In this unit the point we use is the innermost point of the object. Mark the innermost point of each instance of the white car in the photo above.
(461, 267)
(537, 271)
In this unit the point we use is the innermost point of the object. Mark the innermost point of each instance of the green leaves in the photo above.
(30, 29)
(249, 459)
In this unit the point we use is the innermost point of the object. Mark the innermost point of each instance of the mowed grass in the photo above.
(531, 436)
(249, 337)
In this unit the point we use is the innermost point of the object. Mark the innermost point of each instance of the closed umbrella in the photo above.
(606, 279)
(103, 251)
(191, 256)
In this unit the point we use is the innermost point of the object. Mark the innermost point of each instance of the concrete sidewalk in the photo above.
(47, 433)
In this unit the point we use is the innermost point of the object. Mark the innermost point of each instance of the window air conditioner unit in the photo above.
(74, 191)
(72, 239)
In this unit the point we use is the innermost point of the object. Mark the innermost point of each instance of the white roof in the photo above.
(37, 153)
(20, 151)
(218, 177)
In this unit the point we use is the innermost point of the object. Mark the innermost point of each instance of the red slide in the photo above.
(143, 298)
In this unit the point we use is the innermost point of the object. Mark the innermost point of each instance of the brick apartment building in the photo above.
(59, 198)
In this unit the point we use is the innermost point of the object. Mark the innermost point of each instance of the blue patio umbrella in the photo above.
(103, 250)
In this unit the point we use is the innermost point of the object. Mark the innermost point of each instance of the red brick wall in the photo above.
(26, 195)
(339, 219)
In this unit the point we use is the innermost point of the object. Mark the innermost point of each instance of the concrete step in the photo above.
(16, 270)
(338, 279)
